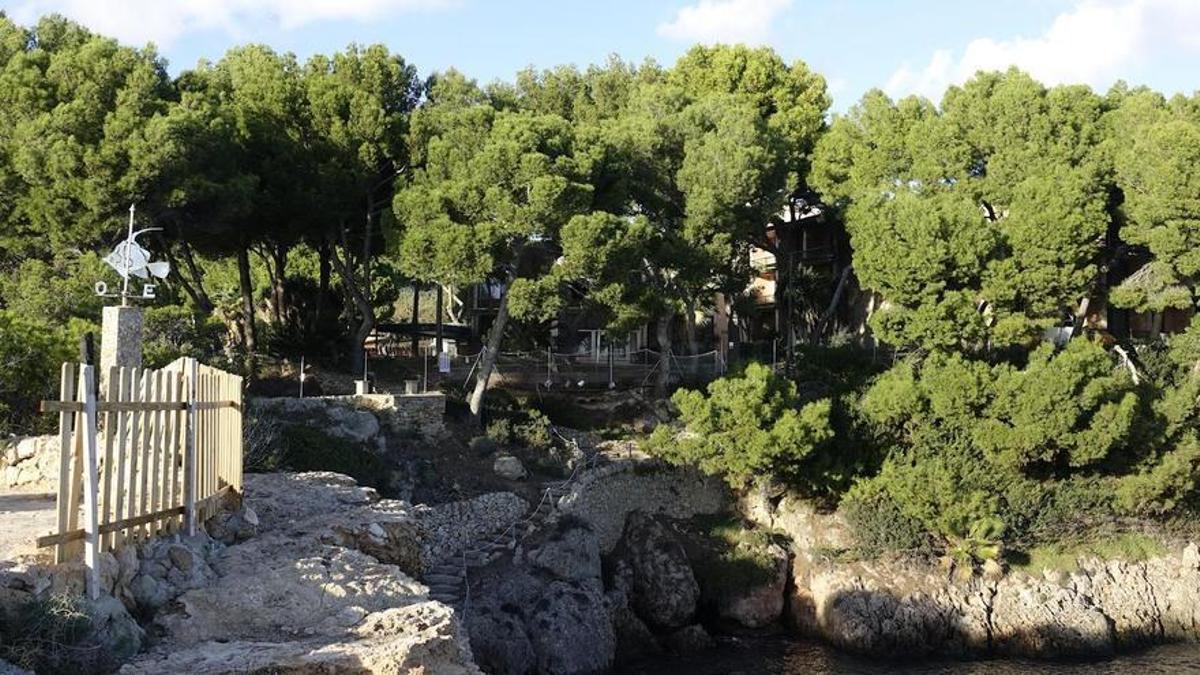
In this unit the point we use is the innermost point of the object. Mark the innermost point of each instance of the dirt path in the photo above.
(23, 518)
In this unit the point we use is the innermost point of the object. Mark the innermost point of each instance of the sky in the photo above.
(901, 46)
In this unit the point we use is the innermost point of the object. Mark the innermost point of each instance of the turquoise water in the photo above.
(782, 656)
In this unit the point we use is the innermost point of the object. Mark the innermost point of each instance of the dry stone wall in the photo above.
(28, 464)
(604, 496)
(360, 418)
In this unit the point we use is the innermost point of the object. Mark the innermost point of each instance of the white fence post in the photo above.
(91, 487)
(190, 378)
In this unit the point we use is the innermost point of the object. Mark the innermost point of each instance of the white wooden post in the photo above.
(91, 478)
(191, 376)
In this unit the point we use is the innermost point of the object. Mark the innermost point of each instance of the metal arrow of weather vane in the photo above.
(130, 259)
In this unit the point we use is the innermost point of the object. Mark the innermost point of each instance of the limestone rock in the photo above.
(887, 609)
(571, 630)
(411, 639)
(499, 639)
(689, 639)
(168, 569)
(233, 526)
(634, 639)
(507, 466)
(761, 604)
(1030, 618)
(113, 631)
(571, 553)
(665, 592)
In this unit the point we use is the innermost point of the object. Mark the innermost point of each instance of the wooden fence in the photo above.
(151, 455)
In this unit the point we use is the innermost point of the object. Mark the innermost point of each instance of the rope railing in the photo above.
(589, 461)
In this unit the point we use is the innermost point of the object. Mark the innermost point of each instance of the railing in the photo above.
(147, 453)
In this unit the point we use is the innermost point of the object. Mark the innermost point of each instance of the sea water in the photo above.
(785, 656)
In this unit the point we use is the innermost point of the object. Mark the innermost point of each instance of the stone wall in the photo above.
(360, 418)
(29, 464)
(603, 497)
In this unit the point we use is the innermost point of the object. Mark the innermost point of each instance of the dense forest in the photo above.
(296, 200)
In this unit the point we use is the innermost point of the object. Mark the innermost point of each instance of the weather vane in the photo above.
(130, 259)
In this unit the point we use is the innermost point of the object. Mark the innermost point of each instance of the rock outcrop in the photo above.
(760, 604)
(324, 587)
(664, 589)
(544, 611)
(896, 608)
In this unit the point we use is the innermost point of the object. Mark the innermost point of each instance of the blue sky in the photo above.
(918, 46)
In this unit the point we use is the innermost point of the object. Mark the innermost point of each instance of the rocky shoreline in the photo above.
(908, 608)
(314, 573)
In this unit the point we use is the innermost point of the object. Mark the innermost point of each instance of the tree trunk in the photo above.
(487, 362)
(438, 319)
(690, 328)
(250, 333)
(663, 382)
(324, 274)
(416, 319)
(363, 305)
(194, 287)
(833, 303)
(279, 282)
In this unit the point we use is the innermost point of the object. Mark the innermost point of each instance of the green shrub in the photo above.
(730, 557)
(31, 356)
(878, 524)
(747, 427)
(500, 431)
(1164, 486)
(172, 331)
(47, 636)
(482, 445)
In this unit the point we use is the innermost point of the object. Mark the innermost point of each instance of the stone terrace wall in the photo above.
(605, 496)
(29, 464)
(359, 418)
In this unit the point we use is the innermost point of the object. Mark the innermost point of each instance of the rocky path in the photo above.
(447, 579)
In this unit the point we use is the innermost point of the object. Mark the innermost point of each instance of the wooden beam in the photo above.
(136, 406)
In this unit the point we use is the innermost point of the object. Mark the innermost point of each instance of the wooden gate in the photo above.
(145, 453)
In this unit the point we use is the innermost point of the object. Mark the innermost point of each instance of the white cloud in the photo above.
(710, 21)
(1094, 43)
(164, 21)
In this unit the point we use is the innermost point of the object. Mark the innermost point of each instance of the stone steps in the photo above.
(446, 579)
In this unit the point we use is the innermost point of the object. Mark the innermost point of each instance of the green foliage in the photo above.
(729, 557)
(878, 524)
(31, 353)
(1071, 408)
(979, 223)
(982, 453)
(173, 331)
(1167, 484)
(745, 428)
(1065, 555)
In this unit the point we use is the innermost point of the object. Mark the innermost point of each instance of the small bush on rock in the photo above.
(878, 524)
(47, 635)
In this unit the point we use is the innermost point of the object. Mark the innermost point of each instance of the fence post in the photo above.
(190, 377)
(66, 447)
(91, 487)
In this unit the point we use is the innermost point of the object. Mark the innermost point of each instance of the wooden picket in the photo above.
(151, 457)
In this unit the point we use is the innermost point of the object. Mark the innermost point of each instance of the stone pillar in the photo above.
(120, 338)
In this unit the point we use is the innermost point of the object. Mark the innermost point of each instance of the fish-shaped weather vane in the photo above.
(130, 259)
